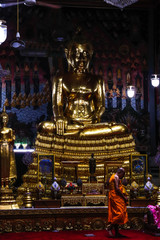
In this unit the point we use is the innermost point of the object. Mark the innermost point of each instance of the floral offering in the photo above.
(71, 187)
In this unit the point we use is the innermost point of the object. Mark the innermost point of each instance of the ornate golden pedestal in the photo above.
(7, 200)
(108, 151)
(93, 194)
(89, 200)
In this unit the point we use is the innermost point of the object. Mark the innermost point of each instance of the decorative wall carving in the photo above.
(69, 218)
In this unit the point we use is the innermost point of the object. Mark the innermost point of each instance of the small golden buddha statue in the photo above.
(7, 159)
(78, 97)
(134, 188)
(40, 189)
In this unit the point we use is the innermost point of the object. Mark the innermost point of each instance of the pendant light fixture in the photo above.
(155, 80)
(130, 91)
(3, 31)
(18, 44)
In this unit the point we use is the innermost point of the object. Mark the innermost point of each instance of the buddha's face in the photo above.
(79, 56)
(4, 119)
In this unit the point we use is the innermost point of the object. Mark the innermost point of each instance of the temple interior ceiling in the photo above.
(101, 3)
(50, 22)
(96, 3)
(46, 18)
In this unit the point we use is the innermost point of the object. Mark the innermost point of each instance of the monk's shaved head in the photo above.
(120, 170)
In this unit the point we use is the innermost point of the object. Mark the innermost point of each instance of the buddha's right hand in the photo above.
(60, 126)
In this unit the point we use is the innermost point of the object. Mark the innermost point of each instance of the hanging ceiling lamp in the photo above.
(130, 91)
(3, 31)
(155, 80)
(120, 3)
(18, 44)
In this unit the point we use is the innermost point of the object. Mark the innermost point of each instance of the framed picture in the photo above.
(139, 167)
(46, 166)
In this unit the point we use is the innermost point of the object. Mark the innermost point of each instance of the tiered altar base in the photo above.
(71, 158)
(64, 218)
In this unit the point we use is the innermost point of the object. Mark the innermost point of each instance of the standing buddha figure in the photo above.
(7, 159)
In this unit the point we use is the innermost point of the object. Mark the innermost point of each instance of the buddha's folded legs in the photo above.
(98, 129)
(103, 129)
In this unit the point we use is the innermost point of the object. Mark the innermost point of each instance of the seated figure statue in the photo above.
(134, 189)
(78, 101)
(78, 97)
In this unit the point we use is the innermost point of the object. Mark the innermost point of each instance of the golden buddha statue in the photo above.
(134, 189)
(7, 163)
(78, 97)
(78, 100)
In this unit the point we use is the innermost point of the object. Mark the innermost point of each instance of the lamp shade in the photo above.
(130, 91)
(155, 80)
(3, 31)
(18, 44)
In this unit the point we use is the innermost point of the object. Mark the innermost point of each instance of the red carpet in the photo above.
(75, 235)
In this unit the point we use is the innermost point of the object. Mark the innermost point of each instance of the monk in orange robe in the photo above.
(117, 201)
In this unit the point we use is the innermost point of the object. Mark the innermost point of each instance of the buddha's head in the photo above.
(4, 118)
(79, 53)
